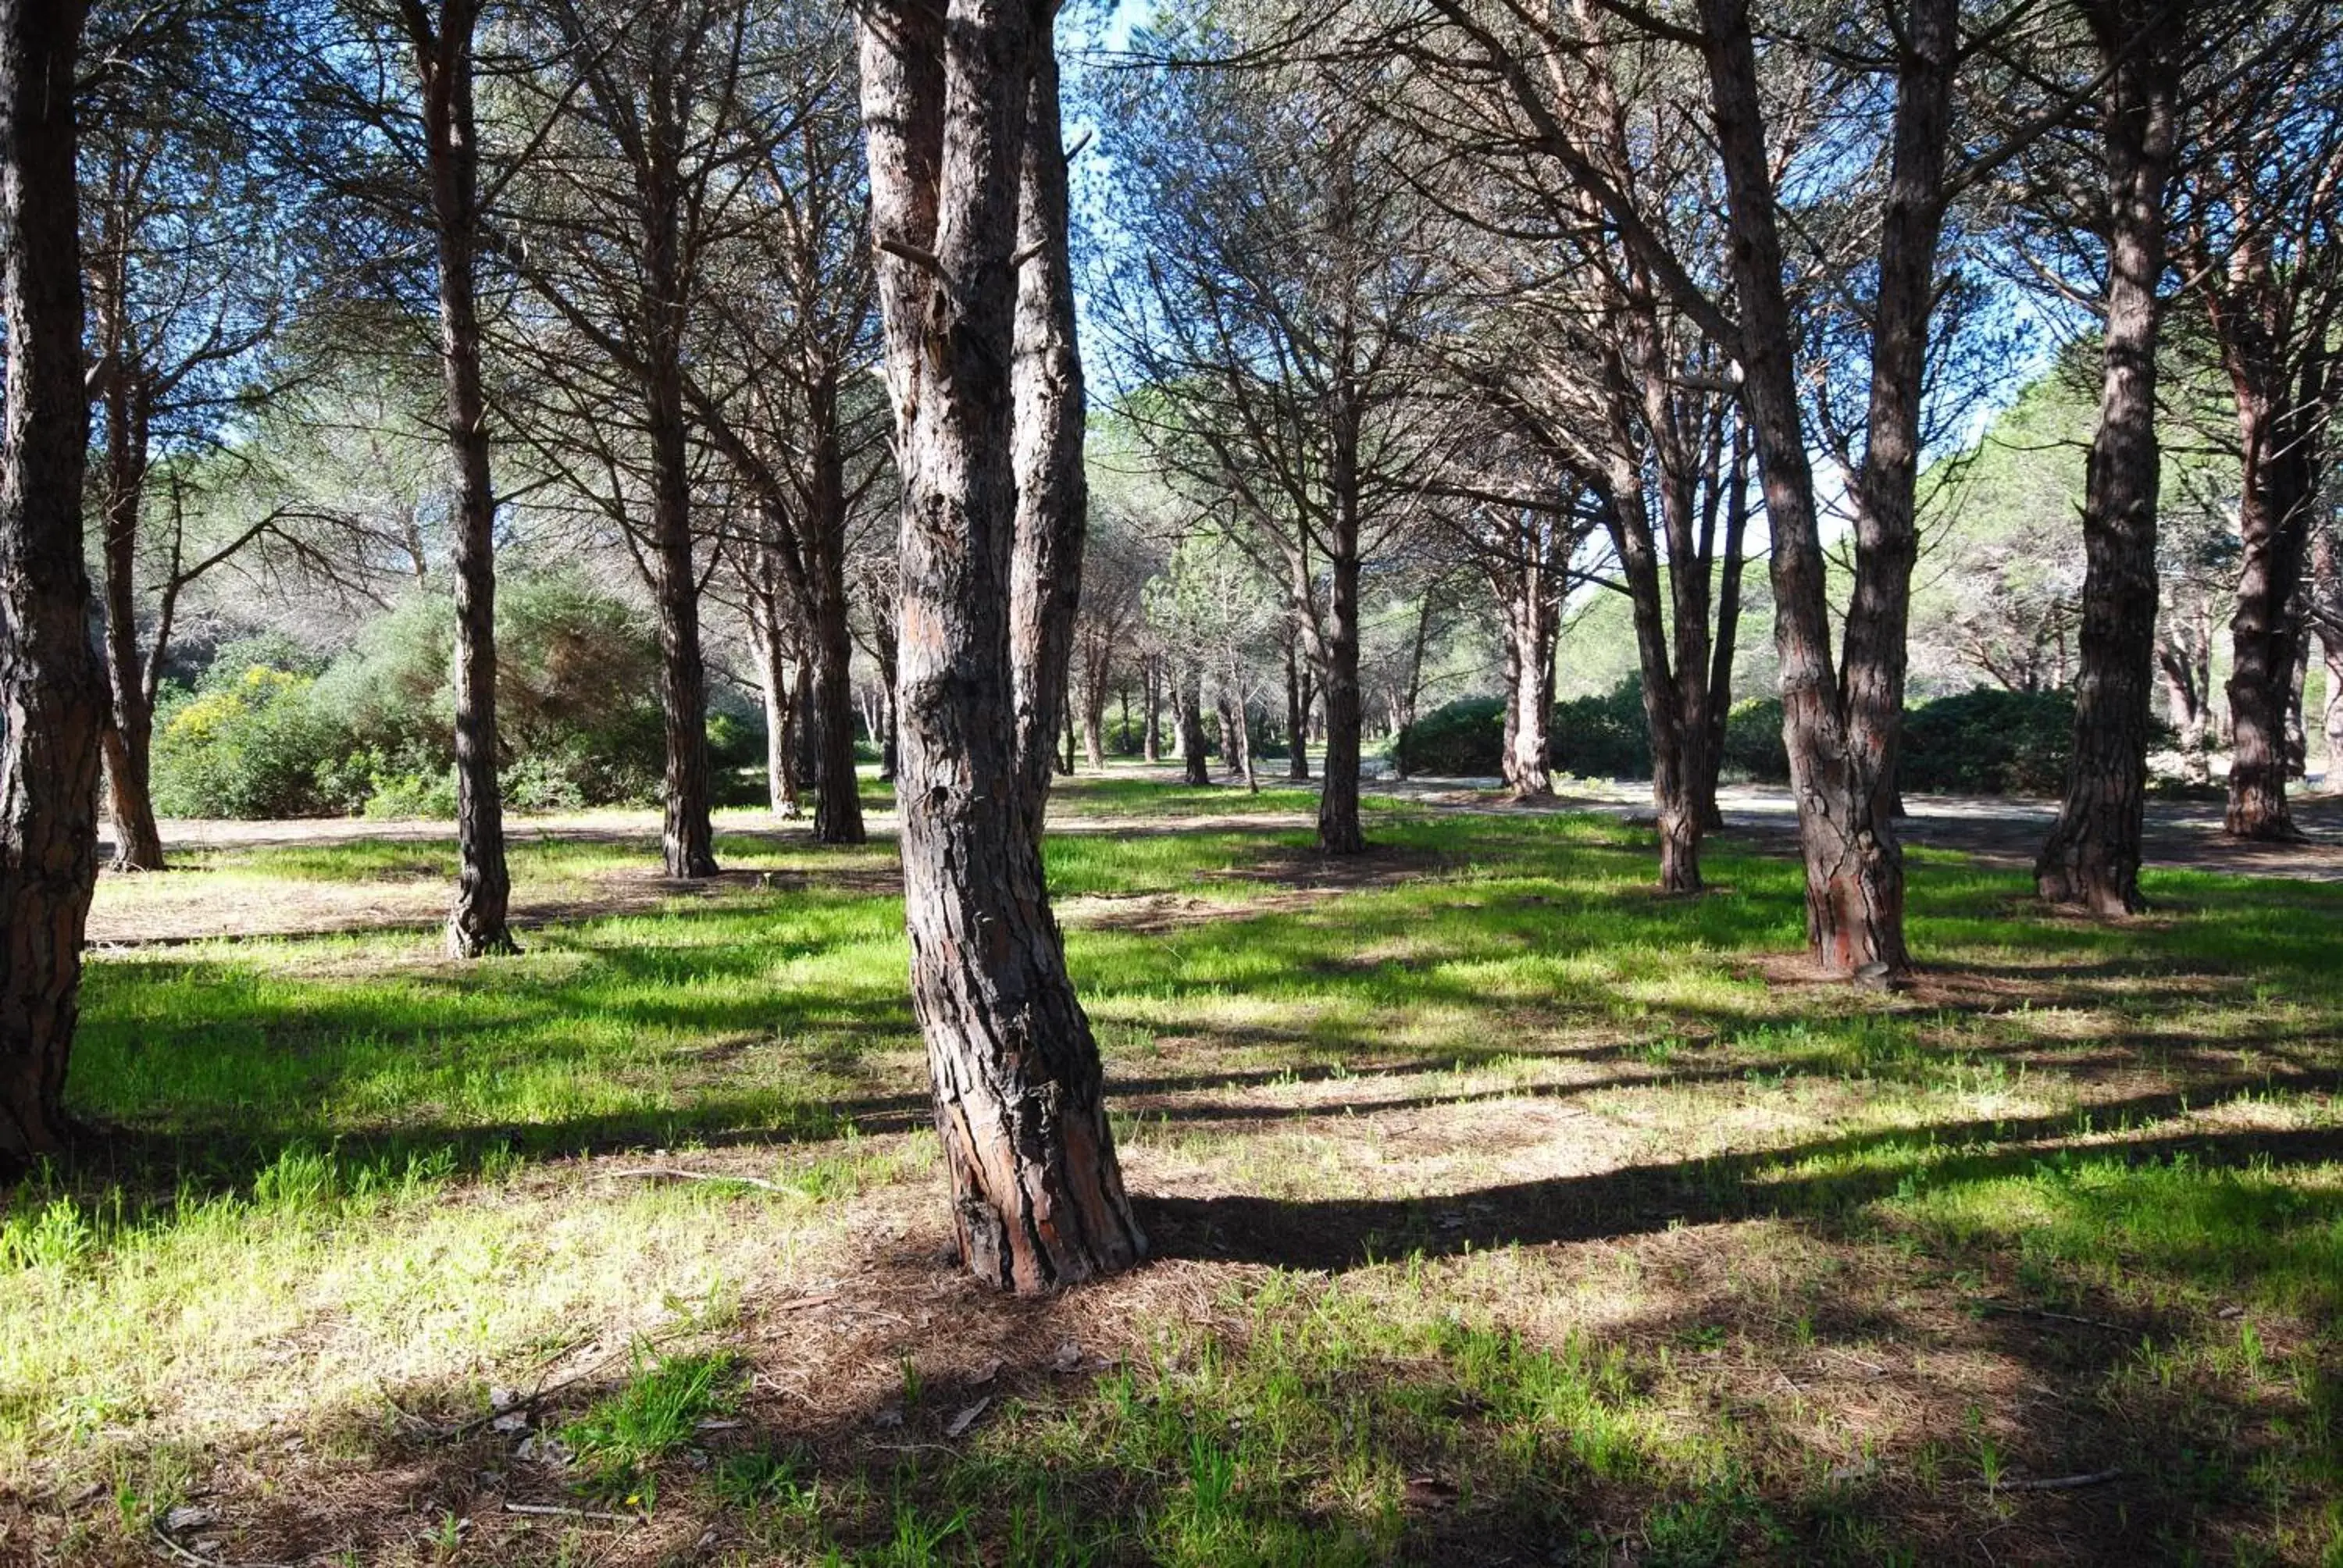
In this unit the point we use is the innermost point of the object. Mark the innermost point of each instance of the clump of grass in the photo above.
(657, 1411)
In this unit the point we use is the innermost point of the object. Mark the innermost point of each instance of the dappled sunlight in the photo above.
(1495, 1203)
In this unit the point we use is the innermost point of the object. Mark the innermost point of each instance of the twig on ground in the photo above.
(197, 1558)
(2054, 1482)
(558, 1510)
(675, 1173)
(2017, 1311)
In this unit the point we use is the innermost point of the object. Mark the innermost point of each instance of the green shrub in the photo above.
(1753, 751)
(1605, 737)
(1988, 741)
(272, 732)
(1457, 739)
(251, 743)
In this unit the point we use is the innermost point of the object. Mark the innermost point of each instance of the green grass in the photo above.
(655, 1412)
(1514, 1211)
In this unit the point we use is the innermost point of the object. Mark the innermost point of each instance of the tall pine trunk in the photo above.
(476, 924)
(52, 687)
(129, 736)
(1037, 1191)
(838, 787)
(1297, 712)
(1338, 791)
(2092, 856)
(1052, 516)
(1840, 738)
(1531, 618)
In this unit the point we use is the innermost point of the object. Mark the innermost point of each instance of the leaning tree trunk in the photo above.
(2092, 856)
(1728, 633)
(1189, 695)
(1674, 765)
(476, 924)
(129, 737)
(1037, 1192)
(52, 687)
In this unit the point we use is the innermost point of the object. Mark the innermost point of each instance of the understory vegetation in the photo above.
(1502, 1209)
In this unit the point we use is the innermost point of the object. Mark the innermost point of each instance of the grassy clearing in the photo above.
(1505, 1212)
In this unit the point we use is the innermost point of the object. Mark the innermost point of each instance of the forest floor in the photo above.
(1504, 1210)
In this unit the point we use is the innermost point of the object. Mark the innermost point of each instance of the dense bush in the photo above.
(1989, 742)
(1753, 743)
(1458, 740)
(249, 741)
(1986, 741)
(269, 733)
(1605, 737)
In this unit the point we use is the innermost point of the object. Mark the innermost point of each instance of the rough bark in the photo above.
(1338, 791)
(1037, 1192)
(1840, 740)
(1532, 613)
(130, 732)
(53, 692)
(1052, 496)
(476, 923)
(2093, 854)
(2272, 522)
(1189, 695)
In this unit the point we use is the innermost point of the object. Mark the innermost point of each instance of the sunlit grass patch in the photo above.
(1623, 1236)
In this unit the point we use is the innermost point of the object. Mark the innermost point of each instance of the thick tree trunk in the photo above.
(687, 837)
(1191, 698)
(2092, 856)
(2273, 521)
(476, 924)
(52, 687)
(1037, 1192)
(1531, 616)
(1338, 793)
(1094, 723)
(1841, 749)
